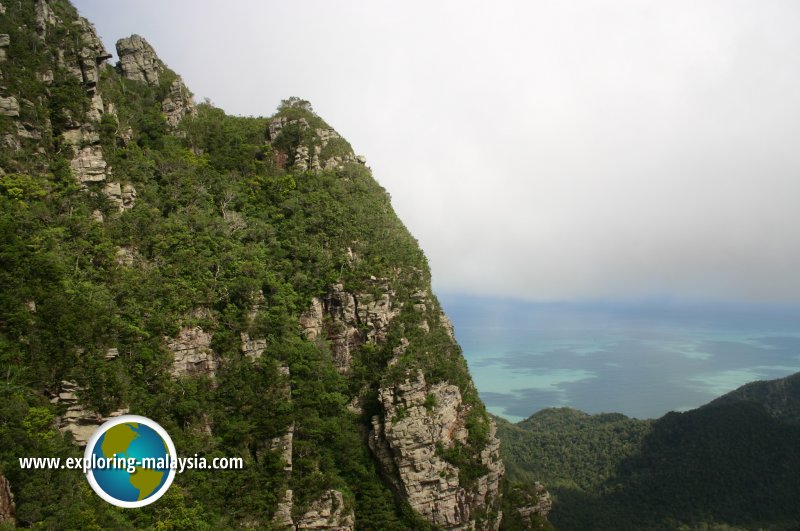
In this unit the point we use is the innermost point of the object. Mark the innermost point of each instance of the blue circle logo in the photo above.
(130, 461)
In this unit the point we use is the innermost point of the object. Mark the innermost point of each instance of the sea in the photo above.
(642, 359)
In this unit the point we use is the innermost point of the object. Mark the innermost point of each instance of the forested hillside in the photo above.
(734, 463)
(242, 281)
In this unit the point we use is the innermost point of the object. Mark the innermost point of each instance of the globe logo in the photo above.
(130, 461)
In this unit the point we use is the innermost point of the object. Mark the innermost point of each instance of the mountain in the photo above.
(733, 462)
(244, 282)
(780, 398)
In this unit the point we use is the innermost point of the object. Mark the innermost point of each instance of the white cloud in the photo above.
(546, 150)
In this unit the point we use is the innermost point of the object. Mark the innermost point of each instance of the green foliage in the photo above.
(728, 463)
(223, 237)
(465, 459)
(515, 497)
(21, 187)
(567, 448)
(430, 401)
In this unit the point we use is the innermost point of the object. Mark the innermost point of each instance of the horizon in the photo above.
(648, 169)
(639, 359)
(545, 152)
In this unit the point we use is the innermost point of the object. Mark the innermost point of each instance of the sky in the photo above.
(547, 151)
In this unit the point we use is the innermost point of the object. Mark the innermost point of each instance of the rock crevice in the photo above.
(420, 419)
(349, 320)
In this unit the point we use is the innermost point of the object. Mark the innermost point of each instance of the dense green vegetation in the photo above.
(734, 462)
(221, 218)
(566, 448)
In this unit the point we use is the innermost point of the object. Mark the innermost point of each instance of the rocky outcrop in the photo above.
(192, 354)
(9, 106)
(5, 42)
(178, 104)
(327, 512)
(348, 320)
(45, 17)
(91, 54)
(138, 61)
(310, 155)
(8, 508)
(127, 257)
(418, 417)
(448, 326)
(123, 196)
(252, 348)
(282, 519)
(283, 444)
(77, 419)
(88, 164)
(538, 503)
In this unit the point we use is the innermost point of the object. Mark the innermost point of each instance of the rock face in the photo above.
(92, 53)
(417, 418)
(44, 17)
(87, 164)
(78, 420)
(540, 503)
(5, 42)
(348, 320)
(178, 104)
(192, 353)
(283, 514)
(285, 445)
(138, 61)
(327, 512)
(8, 509)
(9, 106)
(312, 153)
(252, 348)
(123, 196)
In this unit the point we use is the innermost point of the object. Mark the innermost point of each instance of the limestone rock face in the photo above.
(309, 156)
(418, 416)
(327, 512)
(45, 17)
(138, 61)
(178, 104)
(78, 420)
(124, 196)
(8, 508)
(127, 257)
(252, 348)
(350, 319)
(539, 504)
(92, 53)
(9, 106)
(87, 164)
(285, 445)
(5, 42)
(192, 353)
(283, 514)
(448, 326)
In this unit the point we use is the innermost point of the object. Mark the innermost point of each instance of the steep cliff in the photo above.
(243, 281)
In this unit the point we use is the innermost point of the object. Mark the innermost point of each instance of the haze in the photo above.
(540, 150)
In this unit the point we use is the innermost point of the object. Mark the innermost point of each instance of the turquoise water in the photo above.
(642, 359)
